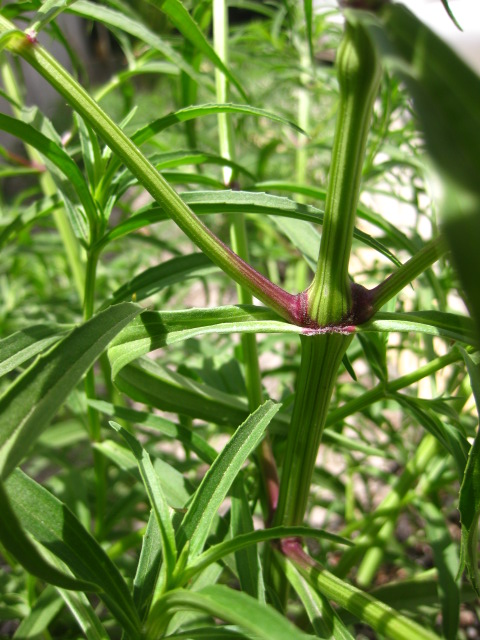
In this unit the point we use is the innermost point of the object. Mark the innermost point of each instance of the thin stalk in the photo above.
(99, 461)
(285, 304)
(381, 617)
(383, 389)
(238, 237)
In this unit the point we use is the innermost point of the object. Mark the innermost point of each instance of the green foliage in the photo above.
(159, 430)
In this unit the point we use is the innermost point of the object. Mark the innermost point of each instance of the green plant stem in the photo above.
(359, 72)
(238, 237)
(321, 357)
(99, 461)
(381, 617)
(285, 304)
(329, 297)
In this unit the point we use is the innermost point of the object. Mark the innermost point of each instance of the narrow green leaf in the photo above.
(198, 111)
(450, 14)
(307, 8)
(157, 386)
(176, 488)
(190, 113)
(227, 604)
(247, 560)
(450, 326)
(27, 216)
(148, 567)
(213, 489)
(239, 202)
(44, 610)
(156, 278)
(156, 498)
(52, 524)
(25, 344)
(469, 501)
(84, 615)
(190, 30)
(391, 232)
(32, 400)
(156, 329)
(48, 11)
(16, 542)
(449, 437)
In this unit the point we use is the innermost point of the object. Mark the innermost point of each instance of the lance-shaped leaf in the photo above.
(157, 328)
(16, 542)
(213, 489)
(156, 498)
(52, 524)
(450, 326)
(245, 540)
(28, 405)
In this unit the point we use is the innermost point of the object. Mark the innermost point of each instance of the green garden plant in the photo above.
(151, 487)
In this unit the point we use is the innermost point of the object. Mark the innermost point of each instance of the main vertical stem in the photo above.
(329, 296)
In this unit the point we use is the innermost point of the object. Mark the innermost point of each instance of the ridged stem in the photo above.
(358, 69)
(321, 357)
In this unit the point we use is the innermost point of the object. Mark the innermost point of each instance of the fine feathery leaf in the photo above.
(28, 405)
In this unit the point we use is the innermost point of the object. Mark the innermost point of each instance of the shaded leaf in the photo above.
(54, 526)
